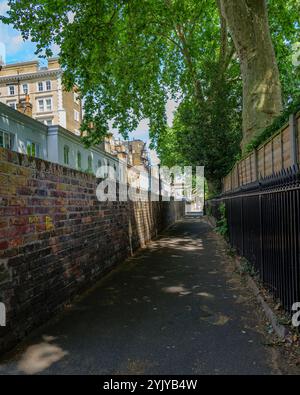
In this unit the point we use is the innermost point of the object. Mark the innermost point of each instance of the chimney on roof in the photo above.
(25, 107)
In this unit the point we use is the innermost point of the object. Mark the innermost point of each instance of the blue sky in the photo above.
(16, 50)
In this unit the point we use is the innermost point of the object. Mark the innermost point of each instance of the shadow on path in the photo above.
(168, 310)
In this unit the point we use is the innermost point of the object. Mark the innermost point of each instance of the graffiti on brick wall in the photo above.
(56, 237)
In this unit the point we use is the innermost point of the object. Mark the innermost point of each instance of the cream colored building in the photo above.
(133, 152)
(51, 103)
(133, 155)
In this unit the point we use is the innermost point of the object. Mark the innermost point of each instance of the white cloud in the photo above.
(17, 50)
(13, 42)
(16, 41)
(3, 7)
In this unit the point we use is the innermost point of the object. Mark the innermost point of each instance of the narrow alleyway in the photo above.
(172, 309)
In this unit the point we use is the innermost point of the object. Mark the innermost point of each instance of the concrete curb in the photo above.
(281, 331)
(210, 220)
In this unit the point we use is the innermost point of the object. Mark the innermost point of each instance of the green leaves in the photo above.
(278, 123)
(208, 135)
(127, 57)
(222, 224)
(284, 19)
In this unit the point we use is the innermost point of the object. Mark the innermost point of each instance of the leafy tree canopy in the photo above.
(127, 57)
(284, 19)
(207, 136)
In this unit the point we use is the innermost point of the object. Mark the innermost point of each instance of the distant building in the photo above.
(38, 95)
(133, 155)
(139, 161)
(138, 154)
(134, 152)
(23, 134)
(51, 103)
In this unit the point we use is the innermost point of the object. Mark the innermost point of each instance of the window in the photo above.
(90, 163)
(40, 87)
(12, 104)
(25, 89)
(33, 149)
(66, 154)
(49, 104)
(79, 160)
(41, 105)
(45, 105)
(11, 90)
(44, 86)
(76, 115)
(6, 140)
(99, 163)
(48, 85)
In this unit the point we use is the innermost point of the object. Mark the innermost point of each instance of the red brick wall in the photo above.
(57, 239)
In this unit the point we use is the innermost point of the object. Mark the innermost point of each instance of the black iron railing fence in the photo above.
(264, 222)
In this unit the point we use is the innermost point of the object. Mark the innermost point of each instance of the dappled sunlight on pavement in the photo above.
(40, 357)
(173, 308)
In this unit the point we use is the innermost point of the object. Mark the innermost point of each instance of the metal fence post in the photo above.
(261, 238)
(269, 237)
(256, 164)
(242, 223)
(238, 174)
(293, 139)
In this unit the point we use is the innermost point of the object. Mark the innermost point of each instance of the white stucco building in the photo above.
(23, 134)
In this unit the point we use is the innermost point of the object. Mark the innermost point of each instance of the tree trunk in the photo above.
(249, 27)
(214, 187)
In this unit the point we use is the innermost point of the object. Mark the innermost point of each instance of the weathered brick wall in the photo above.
(57, 239)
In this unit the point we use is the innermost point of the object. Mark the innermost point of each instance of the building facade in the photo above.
(23, 134)
(133, 155)
(133, 152)
(51, 103)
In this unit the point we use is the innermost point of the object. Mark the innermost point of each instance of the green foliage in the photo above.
(126, 57)
(208, 210)
(247, 268)
(222, 225)
(278, 123)
(231, 252)
(208, 135)
(284, 20)
(211, 191)
(129, 57)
